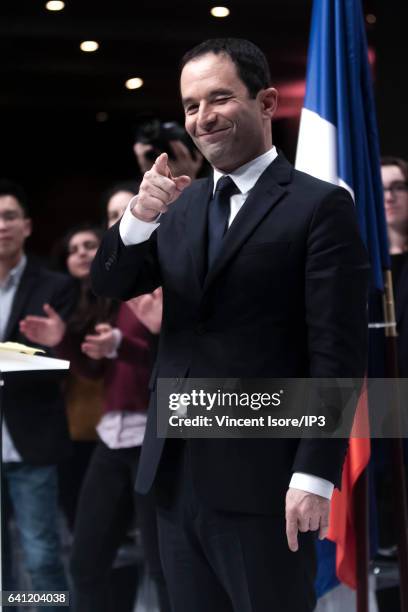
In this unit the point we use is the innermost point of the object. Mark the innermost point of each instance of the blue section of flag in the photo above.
(339, 89)
(326, 578)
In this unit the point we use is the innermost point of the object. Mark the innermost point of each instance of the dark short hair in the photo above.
(251, 63)
(402, 164)
(132, 186)
(9, 188)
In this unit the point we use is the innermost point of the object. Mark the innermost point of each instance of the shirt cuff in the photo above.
(117, 338)
(312, 484)
(133, 230)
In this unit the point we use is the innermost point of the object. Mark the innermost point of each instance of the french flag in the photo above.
(338, 142)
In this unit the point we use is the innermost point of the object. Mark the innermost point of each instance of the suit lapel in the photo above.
(196, 226)
(24, 289)
(263, 197)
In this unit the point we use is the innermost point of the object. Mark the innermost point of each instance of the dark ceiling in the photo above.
(52, 93)
(45, 69)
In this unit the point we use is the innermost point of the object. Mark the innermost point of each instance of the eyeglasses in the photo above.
(397, 188)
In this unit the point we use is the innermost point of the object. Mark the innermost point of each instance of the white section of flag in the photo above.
(317, 149)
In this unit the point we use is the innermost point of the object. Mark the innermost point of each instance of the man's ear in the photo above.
(269, 102)
(28, 227)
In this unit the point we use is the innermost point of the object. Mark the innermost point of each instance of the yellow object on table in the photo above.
(19, 348)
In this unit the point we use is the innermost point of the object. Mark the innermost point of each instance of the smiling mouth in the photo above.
(214, 134)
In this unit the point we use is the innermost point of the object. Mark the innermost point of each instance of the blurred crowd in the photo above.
(71, 443)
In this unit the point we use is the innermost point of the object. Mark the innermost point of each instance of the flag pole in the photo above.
(360, 511)
(397, 453)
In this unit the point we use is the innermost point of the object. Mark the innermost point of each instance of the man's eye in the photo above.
(191, 110)
(222, 100)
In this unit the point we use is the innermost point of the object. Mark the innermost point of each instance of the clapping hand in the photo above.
(100, 345)
(149, 309)
(48, 330)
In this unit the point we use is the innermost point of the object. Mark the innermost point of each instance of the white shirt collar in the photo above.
(15, 273)
(247, 175)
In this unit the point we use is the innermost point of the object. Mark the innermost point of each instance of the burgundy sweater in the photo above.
(126, 377)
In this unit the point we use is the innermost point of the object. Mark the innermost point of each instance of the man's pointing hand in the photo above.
(158, 189)
(305, 512)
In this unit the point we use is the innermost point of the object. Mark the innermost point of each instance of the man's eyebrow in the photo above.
(213, 94)
(220, 92)
(187, 101)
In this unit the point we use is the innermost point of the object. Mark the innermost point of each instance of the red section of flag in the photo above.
(342, 524)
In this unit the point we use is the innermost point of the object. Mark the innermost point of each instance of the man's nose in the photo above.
(206, 116)
(388, 195)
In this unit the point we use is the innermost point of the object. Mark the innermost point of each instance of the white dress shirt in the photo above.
(134, 231)
(118, 429)
(121, 428)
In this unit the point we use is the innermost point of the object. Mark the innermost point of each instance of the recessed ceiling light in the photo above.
(55, 5)
(370, 18)
(101, 117)
(89, 45)
(134, 83)
(220, 11)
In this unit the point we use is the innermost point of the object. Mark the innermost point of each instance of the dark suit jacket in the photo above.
(33, 401)
(285, 298)
(401, 314)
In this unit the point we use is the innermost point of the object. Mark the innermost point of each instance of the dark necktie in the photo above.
(218, 214)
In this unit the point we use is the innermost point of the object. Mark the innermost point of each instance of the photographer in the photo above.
(154, 137)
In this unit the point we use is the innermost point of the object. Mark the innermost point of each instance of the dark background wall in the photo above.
(392, 80)
(51, 93)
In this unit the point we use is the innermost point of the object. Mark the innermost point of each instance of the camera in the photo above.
(159, 134)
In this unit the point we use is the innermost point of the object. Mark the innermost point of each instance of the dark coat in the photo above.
(286, 297)
(33, 402)
(401, 314)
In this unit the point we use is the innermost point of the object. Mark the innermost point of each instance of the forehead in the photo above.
(82, 237)
(9, 202)
(209, 71)
(391, 173)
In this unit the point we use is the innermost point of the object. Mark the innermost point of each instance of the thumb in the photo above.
(161, 165)
(182, 182)
(50, 312)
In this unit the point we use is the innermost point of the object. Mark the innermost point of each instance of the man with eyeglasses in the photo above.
(394, 172)
(34, 430)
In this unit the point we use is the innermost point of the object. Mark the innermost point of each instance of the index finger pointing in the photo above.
(292, 534)
(160, 165)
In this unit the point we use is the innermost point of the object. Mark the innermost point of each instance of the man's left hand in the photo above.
(305, 512)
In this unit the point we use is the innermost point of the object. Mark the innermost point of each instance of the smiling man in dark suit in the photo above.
(264, 275)
(35, 433)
